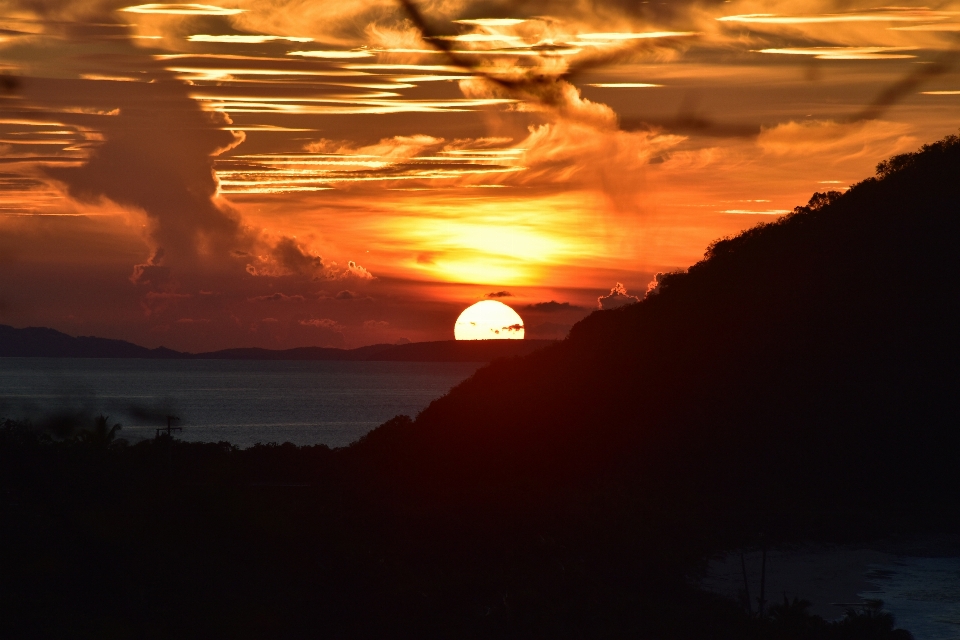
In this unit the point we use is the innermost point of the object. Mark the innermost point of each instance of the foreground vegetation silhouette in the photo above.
(801, 381)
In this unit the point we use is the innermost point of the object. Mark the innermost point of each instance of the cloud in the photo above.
(293, 257)
(837, 141)
(395, 149)
(402, 40)
(336, 23)
(151, 272)
(553, 96)
(375, 324)
(654, 285)
(278, 297)
(579, 154)
(618, 297)
(181, 9)
(499, 294)
(552, 307)
(609, 10)
(354, 270)
(287, 257)
(581, 144)
(156, 155)
(321, 323)
(344, 295)
(384, 24)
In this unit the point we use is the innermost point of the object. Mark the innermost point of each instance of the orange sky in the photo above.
(284, 173)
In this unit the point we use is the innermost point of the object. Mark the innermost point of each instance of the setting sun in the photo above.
(489, 320)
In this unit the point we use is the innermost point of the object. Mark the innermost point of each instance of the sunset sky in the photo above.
(282, 173)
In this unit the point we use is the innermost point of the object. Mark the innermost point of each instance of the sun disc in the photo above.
(488, 320)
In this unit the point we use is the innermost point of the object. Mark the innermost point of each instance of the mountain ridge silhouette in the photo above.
(44, 342)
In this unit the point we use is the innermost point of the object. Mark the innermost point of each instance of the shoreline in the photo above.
(915, 577)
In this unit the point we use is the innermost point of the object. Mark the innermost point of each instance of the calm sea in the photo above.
(923, 593)
(918, 583)
(241, 401)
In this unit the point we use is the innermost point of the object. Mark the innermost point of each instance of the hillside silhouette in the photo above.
(807, 363)
(800, 382)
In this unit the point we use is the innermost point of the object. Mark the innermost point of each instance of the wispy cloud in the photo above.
(895, 14)
(173, 9)
(846, 53)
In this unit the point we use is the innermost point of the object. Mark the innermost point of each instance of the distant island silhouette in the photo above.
(33, 342)
(800, 383)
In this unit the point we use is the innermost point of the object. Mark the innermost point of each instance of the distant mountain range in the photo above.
(41, 342)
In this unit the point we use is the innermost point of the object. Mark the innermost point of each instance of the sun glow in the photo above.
(489, 320)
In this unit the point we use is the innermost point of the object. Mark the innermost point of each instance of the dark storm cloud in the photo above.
(499, 294)
(285, 258)
(156, 156)
(147, 144)
(295, 258)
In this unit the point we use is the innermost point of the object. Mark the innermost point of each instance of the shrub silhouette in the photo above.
(870, 621)
(101, 434)
(792, 620)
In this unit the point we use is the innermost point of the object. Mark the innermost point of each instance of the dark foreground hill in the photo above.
(805, 364)
(801, 381)
(41, 342)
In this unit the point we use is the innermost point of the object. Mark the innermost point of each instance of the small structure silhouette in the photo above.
(169, 428)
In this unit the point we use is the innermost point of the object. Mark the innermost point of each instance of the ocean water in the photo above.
(923, 593)
(919, 586)
(240, 401)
